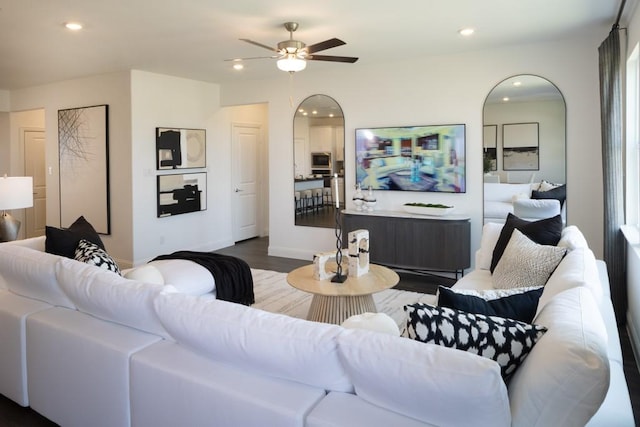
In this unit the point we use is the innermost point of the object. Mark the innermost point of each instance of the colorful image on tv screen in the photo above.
(412, 158)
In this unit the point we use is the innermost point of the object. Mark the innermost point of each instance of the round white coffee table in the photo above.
(335, 302)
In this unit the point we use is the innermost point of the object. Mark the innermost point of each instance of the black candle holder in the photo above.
(339, 277)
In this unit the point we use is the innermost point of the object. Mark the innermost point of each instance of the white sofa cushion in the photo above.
(572, 238)
(565, 378)
(497, 211)
(433, 384)
(109, 296)
(31, 273)
(145, 273)
(267, 343)
(186, 276)
(490, 234)
(345, 409)
(504, 192)
(536, 208)
(578, 268)
(37, 243)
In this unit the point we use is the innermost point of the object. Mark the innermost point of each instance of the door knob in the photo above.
(237, 190)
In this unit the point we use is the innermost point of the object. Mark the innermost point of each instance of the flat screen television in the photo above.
(412, 158)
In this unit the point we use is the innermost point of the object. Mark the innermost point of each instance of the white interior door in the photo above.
(34, 165)
(245, 173)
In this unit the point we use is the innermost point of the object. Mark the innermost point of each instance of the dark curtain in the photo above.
(612, 169)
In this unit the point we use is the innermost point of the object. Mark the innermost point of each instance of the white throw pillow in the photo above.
(490, 234)
(267, 343)
(186, 276)
(378, 322)
(526, 263)
(425, 381)
(109, 296)
(145, 273)
(565, 378)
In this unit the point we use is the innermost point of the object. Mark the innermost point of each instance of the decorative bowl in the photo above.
(428, 210)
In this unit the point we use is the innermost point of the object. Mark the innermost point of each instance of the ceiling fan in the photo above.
(294, 54)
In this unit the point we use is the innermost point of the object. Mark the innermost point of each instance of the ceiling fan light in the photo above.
(291, 64)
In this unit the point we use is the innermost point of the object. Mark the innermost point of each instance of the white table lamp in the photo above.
(15, 193)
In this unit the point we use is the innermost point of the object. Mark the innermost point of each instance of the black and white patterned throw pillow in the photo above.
(506, 341)
(92, 254)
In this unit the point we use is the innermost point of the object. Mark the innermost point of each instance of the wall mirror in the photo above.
(318, 147)
(524, 149)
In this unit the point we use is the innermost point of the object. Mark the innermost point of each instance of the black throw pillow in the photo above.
(64, 241)
(521, 306)
(546, 231)
(559, 193)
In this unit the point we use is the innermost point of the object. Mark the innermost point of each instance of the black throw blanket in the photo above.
(232, 275)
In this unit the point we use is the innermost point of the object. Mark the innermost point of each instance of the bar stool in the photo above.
(327, 196)
(297, 202)
(307, 201)
(318, 198)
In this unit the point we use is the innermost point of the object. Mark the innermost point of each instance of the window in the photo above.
(632, 181)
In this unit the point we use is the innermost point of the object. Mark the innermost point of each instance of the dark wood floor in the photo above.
(254, 252)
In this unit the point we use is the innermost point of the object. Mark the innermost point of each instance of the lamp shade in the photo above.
(16, 192)
(291, 63)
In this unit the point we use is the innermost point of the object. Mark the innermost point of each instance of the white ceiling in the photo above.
(192, 38)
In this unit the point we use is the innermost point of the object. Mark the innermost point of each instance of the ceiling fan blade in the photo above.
(260, 45)
(349, 59)
(327, 44)
(253, 57)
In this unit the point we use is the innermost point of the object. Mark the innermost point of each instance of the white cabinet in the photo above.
(321, 138)
(339, 143)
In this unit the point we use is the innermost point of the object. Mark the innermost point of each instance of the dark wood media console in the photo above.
(414, 242)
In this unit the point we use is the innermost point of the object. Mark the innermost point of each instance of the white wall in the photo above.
(164, 101)
(444, 89)
(5, 144)
(5, 100)
(114, 90)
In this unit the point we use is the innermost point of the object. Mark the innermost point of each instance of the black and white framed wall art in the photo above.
(83, 147)
(490, 146)
(178, 148)
(520, 146)
(181, 193)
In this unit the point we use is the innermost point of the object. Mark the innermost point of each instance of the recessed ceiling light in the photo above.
(518, 83)
(466, 31)
(73, 26)
(238, 66)
(314, 112)
(505, 99)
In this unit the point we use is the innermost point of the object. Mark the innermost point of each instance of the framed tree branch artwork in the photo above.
(180, 148)
(83, 144)
(490, 148)
(520, 147)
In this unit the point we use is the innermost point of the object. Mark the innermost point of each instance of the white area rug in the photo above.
(274, 294)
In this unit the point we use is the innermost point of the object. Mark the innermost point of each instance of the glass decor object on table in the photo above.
(358, 198)
(370, 200)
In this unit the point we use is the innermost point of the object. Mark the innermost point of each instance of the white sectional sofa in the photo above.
(500, 199)
(83, 346)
